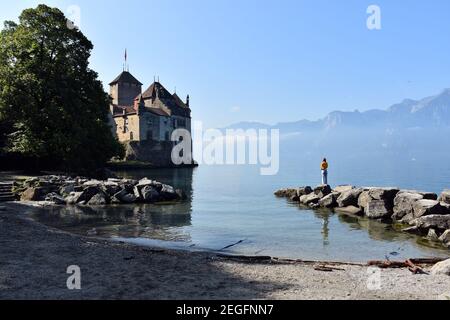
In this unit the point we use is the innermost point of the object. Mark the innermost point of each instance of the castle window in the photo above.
(167, 136)
(125, 125)
(131, 136)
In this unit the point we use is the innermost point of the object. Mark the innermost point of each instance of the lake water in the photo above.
(228, 204)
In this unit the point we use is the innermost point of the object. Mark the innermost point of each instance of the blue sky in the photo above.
(269, 61)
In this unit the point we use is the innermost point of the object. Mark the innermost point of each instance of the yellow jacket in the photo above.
(324, 165)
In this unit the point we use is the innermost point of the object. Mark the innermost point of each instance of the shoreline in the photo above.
(35, 259)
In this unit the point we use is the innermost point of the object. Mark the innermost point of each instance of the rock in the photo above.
(342, 189)
(412, 229)
(322, 190)
(432, 235)
(92, 183)
(181, 194)
(378, 209)
(329, 201)
(387, 194)
(403, 204)
(128, 198)
(55, 198)
(309, 198)
(110, 188)
(313, 205)
(440, 222)
(66, 189)
(145, 182)
(364, 199)
(73, 198)
(124, 197)
(445, 237)
(34, 194)
(98, 200)
(168, 193)
(349, 198)
(430, 207)
(149, 194)
(88, 193)
(425, 195)
(445, 196)
(349, 210)
(287, 193)
(441, 268)
(304, 191)
(295, 198)
(280, 193)
(137, 193)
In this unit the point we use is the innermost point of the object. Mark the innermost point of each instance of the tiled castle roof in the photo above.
(127, 77)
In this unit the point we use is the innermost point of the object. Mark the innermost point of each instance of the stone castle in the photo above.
(144, 121)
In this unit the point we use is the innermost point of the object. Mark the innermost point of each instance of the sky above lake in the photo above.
(269, 61)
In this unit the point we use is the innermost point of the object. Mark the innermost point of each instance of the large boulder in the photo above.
(286, 193)
(309, 198)
(403, 204)
(322, 190)
(387, 194)
(329, 201)
(430, 207)
(344, 188)
(441, 268)
(445, 237)
(34, 194)
(352, 210)
(364, 199)
(98, 200)
(110, 187)
(66, 189)
(304, 190)
(378, 209)
(439, 222)
(73, 198)
(124, 197)
(149, 194)
(55, 198)
(168, 193)
(349, 197)
(445, 196)
(88, 193)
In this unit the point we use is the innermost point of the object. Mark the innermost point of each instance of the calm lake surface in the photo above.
(228, 204)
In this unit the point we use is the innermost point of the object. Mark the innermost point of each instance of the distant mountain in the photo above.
(430, 112)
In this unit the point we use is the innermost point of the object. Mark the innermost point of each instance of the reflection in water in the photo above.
(156, 221)
(228, 204)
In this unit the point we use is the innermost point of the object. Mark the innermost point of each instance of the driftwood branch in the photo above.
(232, 245)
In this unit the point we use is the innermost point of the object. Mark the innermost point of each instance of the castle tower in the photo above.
(124, 89)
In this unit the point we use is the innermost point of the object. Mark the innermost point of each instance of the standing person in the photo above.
(324, 168)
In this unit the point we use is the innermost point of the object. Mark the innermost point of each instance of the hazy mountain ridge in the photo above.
(429, 112)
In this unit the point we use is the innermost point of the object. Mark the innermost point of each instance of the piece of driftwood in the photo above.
(387, 264)
(411, 264)
(232, 245)
(413, 268)
(327, 268)
(245, 258)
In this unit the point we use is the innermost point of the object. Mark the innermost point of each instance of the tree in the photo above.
(52, 105)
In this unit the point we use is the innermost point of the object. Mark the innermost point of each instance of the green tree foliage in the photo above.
(52, 105)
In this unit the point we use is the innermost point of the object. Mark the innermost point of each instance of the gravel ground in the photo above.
(34, 260)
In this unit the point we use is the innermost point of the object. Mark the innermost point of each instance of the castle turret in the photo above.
(124, 89)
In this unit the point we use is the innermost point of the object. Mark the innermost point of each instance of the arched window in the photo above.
(131, 136)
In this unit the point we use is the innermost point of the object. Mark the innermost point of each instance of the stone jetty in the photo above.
(62, 190)
(424, 213)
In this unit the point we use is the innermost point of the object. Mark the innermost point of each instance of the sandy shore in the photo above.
(34, 260)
